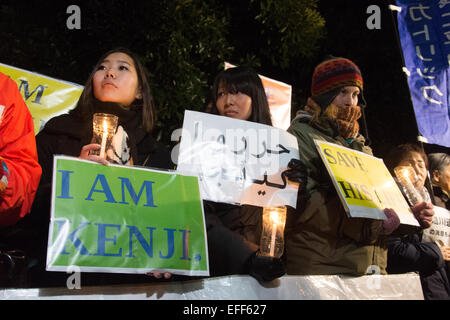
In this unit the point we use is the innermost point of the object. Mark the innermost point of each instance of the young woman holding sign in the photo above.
(321, 238)
(234, 231)
(117, 85)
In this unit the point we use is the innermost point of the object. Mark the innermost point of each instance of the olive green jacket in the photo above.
(323, 239)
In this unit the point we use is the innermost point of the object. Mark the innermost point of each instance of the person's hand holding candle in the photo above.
(104, 128)
(86, 153)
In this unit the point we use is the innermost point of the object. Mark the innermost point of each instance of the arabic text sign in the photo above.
(363, 183)
(45, 97)
(125, 220)
(424, 29)
(238, 161)
(440, 230)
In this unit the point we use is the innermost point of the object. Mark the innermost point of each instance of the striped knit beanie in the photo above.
(331, 75)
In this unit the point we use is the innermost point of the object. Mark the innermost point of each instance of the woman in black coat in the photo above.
(407, 253)
(117, 85)
(234, 230)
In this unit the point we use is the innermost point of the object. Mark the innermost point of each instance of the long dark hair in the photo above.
(244, 80)
(84, 107)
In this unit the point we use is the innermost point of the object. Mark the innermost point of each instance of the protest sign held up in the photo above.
(45, 97)
(440, 230)
(424, 29)
(125, 220)
(238, 161)
(363, 183)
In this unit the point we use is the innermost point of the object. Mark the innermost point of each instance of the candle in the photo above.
(274, 218)
(104, 137)
(406, 174)
(272, 241)
(104, 126)
(407, 177)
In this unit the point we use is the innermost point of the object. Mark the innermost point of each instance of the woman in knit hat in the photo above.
(322, 239)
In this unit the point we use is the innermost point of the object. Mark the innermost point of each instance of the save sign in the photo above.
(363, 183)
(125, 220)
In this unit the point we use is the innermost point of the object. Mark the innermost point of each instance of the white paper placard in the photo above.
(238, 161)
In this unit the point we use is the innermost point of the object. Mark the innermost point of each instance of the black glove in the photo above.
(297, 172)
(264, 268)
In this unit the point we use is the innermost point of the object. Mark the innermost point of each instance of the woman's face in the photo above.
(348, 96)
(443, 179)
(234, 105)
(116, 80)
(415, 160)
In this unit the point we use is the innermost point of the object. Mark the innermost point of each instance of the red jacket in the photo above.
(18, 150)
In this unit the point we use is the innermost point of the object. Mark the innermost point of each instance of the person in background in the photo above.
(20, 173)
(321, 239)
(440, 178)
(117, 85)
(234, 230)
(406, 251)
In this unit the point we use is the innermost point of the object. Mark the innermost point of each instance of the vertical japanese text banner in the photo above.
(424, 28)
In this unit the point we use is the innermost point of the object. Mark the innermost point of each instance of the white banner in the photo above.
(440, 230)
(238, 161)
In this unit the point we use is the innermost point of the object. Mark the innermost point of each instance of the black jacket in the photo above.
(233, 236)
(66, 135)
(409, 254)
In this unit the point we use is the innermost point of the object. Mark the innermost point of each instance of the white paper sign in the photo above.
(238, 161)
(440, 230)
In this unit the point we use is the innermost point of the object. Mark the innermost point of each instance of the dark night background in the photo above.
(34, 36)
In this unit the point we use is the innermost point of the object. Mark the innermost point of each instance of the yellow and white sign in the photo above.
(363, 183)
(279, 96)
(45, 97)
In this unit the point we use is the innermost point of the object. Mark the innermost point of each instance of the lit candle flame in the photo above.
(406, 174)
(104, 137)
(407, 177)
(274, 216)
(272, 240)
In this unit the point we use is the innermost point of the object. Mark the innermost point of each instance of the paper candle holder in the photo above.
(406, 176)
